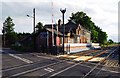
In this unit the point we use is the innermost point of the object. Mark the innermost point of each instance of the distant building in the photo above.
(44, 39)
(74, 33)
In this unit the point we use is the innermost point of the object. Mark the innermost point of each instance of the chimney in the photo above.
(59, 22)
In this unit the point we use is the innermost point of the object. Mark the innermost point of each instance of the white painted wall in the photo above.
(77, 45)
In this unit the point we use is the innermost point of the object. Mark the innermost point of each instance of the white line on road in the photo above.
(49, 69)
(17, 57)
(22, 59)
(100, 68)
(20, 66)
(97, 65)
(64, 70)
(17, 67)
(28, 71)
(72, 67)
(44, 57)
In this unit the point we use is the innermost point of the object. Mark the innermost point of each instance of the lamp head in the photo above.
(63, 10)
(28, 15)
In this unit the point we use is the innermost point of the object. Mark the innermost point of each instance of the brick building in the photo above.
(74, 34)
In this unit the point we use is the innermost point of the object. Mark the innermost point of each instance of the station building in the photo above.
(76, 37)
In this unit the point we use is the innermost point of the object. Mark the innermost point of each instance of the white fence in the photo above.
(77, 47)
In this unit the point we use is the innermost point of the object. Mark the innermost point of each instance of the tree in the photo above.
(102, 37)
(97, 35)
(110, 41)
(20, 36)
(10, 35)
(94, 36)
(39, 26)
(83, 19)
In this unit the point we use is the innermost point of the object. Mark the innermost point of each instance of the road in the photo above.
(21, 64)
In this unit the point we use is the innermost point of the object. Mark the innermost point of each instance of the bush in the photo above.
(16, 47)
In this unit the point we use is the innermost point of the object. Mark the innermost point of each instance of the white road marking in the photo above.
(64, 70)
(97, 65)
(101, 69)
(49, 69)
(1, 50)
(44, 57)
(22, 59)
(67, 68)
(17, 57)
(17, 67)
(110, 70)
(34, 69)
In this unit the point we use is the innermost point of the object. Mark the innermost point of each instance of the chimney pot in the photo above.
(59, 22)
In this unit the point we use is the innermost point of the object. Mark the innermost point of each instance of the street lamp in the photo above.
(63, 12)
(33, 19)
(33, 27)
(119, 54)
(3, 38)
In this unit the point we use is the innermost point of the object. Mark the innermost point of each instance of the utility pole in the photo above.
(3, 38)
(34, 37)
(63, 12)
(34, 20)
(34, 29)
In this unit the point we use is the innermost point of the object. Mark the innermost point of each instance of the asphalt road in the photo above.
(38, 65)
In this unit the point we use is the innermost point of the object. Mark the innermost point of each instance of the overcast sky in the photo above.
(103, 12)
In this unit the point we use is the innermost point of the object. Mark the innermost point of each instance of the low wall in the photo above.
(77, 47)
(96, 45)
(77, 44)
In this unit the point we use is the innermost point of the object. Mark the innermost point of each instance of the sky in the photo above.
(104, 13)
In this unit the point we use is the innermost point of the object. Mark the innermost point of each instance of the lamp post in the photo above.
(33, 28)
(3, 38)
(63, 12)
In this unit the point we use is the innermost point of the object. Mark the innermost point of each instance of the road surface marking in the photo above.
(82, 58)
(100, 68)
(98, 64)
(64, 70)
(1, 50)
(17, 67)
(17, 57)
(49, 69)
(44, 57)
(28, 71)
(21, 66)
(22, 59)
(97, 59)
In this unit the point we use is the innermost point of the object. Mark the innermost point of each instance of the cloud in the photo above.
(103, 12)
(23, 24)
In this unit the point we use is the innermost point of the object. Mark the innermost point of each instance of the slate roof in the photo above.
(50, 26)
(55, 31)
(70, 26)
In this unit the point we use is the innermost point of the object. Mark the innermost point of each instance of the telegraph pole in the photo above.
(34, 20)
(34, 37)
(3, 38)
(63, 12)
(34, 29)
